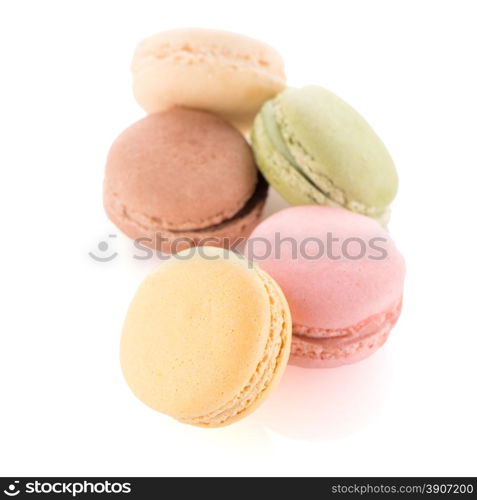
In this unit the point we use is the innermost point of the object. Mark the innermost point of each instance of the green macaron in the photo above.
(314, 148)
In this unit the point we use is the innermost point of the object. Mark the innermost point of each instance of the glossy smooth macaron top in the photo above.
(225, 73)
(313, 147)
(206, 337)
(179, 172)
(336, 268)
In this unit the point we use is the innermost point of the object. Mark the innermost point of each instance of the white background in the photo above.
(409, 68)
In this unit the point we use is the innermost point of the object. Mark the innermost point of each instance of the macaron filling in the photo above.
(267, 368)
(332, 347)
(155, 224)
(276, 138)
(322, 188)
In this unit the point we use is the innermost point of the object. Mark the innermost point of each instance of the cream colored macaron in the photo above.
(206, 338)
(225, 73)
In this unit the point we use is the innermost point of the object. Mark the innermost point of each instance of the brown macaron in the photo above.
(183, 178)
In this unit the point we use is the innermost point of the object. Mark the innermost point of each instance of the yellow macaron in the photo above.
(206, 338)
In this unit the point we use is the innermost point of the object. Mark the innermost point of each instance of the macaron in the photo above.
(181, 178)
(225, 73)
(314, 148)
(206, 338)
(342, 276)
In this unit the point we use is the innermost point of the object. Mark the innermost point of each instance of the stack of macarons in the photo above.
(318, 284)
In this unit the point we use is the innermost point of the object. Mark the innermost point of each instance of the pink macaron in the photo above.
(342, 276)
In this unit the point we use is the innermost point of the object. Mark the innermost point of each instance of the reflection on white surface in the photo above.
(325, 404)
(322, 404)
(247, 438)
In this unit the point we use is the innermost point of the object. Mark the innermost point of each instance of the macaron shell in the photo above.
(270, 369)
(336, 147)
(279, 172)
(197, 334)
(148, 232)
(225, 73)
(296, 184)
(329, 349)
(323, 292)
(184, 169)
